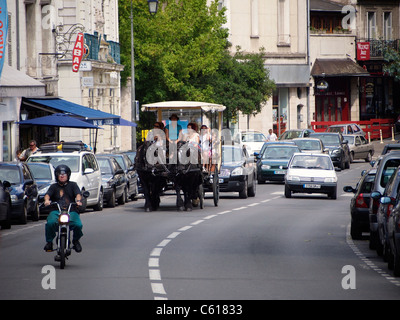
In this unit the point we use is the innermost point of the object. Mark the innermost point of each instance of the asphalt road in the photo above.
(262, 248)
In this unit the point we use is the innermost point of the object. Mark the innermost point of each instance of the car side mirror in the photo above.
(88, 170)
(349, 189)
(376, 195)
(119, 171)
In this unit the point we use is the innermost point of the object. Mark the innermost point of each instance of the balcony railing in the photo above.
(93, 42)
(376, 46)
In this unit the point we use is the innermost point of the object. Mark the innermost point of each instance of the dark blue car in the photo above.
(23, 190)
(5, 206)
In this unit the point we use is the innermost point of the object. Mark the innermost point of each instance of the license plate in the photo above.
(279, 172)
(221, 180)
(311, 186)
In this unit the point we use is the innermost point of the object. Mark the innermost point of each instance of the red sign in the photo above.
(363, 51)
(78, 52)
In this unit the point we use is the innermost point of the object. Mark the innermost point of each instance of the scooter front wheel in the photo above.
(62, 250)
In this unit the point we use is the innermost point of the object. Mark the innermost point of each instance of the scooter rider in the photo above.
(63, 192)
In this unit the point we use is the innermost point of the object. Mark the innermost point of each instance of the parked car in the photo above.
(387, 166)
(393, 232)
(311, 173)
(113, 180)
(387, 201)
(238, 172)
(359, 204)
(252, 140)
(43, 173)
(23, 190)
(310, 145)
(272, 163)
(338, 148)
(5, 205)
(132, 177)
(269, 143)
(350, 128)
(359, 147)
(296, 133)
(132, 155)
(85, 170)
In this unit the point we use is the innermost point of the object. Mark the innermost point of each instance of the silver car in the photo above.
(359, 147)
(350, 128)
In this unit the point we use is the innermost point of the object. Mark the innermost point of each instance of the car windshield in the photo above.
(41, 172)
(388, 169)
(231, 154)
(253, 137)
(278, 152)
(105, 166)
(329, 139)
(308, 144)
(10, 174)
(311, 162)
(121, 162)
(335, 129)
(71, 161)
(291, 134)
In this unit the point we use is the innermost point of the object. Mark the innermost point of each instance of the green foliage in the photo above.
(181, 53)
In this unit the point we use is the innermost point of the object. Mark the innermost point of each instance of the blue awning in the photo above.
(93, 116)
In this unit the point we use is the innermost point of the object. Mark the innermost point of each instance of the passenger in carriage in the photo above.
(173, 130)
(192, 137)
(205, 142)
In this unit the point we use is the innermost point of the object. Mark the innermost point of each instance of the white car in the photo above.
(252, 140)
(311, 173)
(85, 171)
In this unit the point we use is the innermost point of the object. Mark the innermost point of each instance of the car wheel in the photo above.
(355, 231)
(100, 204)
(24, 217)
(36, 213)
(243, 194)
(333, 194)
(122, 198)
(252, 190)
(369, 157)
(396, 263)
(112, 202)
(351, 157)
(7, 224)
(288, 193)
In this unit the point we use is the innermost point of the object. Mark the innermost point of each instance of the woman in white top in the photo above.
(205, 141)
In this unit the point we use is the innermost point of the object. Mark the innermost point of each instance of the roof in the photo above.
(15, 83)
(205, 106)
(337, 67)
(325, 5)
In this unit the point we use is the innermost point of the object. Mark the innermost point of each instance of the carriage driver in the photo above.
(63, 192)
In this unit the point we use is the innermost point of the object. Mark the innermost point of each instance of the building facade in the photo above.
(42, 34)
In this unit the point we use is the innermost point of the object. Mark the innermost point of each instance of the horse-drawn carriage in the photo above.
(186, 165)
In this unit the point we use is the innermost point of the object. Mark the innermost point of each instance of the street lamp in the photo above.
(153, 7)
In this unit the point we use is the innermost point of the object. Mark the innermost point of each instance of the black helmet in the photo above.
(62, 168)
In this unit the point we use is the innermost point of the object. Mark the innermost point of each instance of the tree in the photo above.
(242, 83)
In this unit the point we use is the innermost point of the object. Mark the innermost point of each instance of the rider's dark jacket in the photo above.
(64, 194)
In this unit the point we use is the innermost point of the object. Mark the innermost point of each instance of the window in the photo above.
(283, 23)
(387, 26)
(371, 27)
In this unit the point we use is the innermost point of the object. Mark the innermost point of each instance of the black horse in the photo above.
(155, 167)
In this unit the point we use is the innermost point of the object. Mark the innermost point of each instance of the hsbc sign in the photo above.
(78, 52)
(363, 51)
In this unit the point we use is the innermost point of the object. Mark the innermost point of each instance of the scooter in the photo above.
(63, 238)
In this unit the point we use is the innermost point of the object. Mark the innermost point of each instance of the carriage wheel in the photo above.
(215, 186)
(201, 196)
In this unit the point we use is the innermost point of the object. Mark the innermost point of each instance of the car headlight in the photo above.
(336, 151)
(292, 178)
(332, 179)
(43, 191)
(237, 171)
(265, 167)
(13, 198)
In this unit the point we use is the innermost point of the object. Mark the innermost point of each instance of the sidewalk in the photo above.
(378, 146)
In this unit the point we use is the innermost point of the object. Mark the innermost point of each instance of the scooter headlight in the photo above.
(64, 218)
